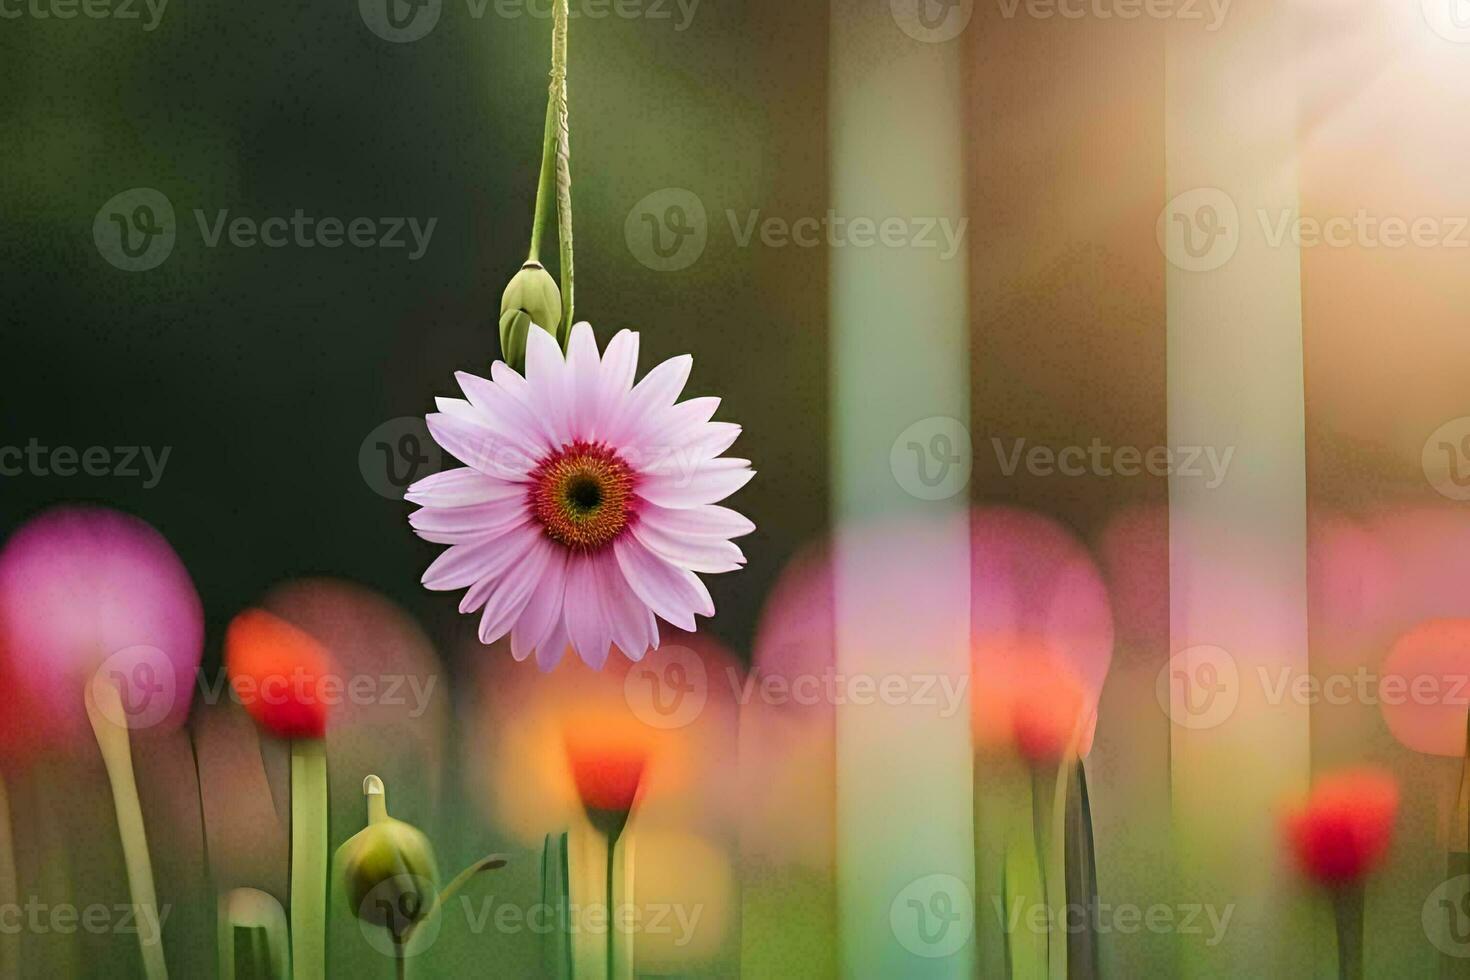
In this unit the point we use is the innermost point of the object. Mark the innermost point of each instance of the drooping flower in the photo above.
(588, 505)
(1344, 828)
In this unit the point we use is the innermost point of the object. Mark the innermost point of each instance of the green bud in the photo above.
(387, 870)
(531, 298)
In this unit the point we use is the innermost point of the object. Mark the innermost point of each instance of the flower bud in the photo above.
(531, 298)
(387, 870)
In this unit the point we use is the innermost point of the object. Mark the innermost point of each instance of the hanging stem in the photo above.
(117, 755)
(308, 858)
(546, 185)
(558, 103)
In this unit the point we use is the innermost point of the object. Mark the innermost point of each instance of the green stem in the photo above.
(117, 755)
(546, 185)
(308, 858)
(488, 863)
(1347, 907)
(9, 945)
(563, 161)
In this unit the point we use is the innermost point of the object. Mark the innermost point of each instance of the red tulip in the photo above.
(606, 771)
(1343, 830)
(280, 674)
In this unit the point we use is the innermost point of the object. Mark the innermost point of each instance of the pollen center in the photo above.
(583, 495)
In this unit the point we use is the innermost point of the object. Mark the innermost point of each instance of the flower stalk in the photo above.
(9, 945)
(103, 706)
(309, 858)
(558, 101)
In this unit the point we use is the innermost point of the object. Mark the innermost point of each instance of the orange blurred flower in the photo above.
(1027, 698)
(1344, 828)
(280, 674)
(606, 770)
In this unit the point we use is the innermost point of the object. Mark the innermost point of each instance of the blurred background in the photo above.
(260, 405)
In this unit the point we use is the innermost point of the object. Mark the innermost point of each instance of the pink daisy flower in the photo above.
(587, 503)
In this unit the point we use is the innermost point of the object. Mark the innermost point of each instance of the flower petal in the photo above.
(706, 521)
(708, 555)
(587, 625)
(464, 564)
(544, 608)
(477, 445)
(676, 594)
(461, 487)
(476, 520)
(707, 483)
(628, 616)
(514, 592)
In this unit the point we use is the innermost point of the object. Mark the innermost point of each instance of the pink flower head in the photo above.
(89, 594)
(1344, 828)
(587, 504)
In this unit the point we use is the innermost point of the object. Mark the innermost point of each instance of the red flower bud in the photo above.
(279, 673)
(1344, 828)
(607, 773)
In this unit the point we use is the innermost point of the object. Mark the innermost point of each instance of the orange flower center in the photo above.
(583, 495)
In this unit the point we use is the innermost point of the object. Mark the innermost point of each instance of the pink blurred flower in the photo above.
(90, 593)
